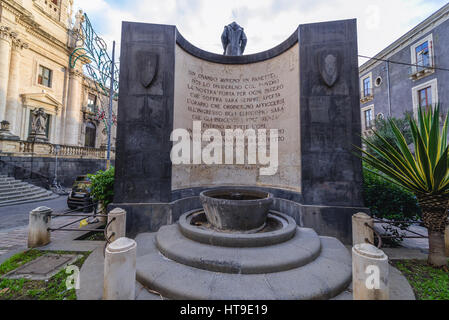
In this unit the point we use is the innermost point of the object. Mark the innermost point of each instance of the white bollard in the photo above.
(120, 270)
(101, 210)
(360, 232)
(116, 228)
(370, 273)
(446, 240)
(39, 222)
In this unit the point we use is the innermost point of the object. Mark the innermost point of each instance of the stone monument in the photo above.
(307, 88)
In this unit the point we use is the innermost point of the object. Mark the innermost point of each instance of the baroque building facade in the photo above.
(36, 41)
(411, 72)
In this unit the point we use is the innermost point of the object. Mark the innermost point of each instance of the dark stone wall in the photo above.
(41, 171)
(330, 116)
(145, 114)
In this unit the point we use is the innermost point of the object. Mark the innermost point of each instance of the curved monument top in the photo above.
(245, 59)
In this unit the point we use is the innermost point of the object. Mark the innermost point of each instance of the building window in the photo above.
(366, 84)
(55, 2)
(423, 55)
(378, 81)
(425, 95)
(45, 76)
(367, 87)
(92, 103)
(422, 58)
(91, 135)
(368, 118)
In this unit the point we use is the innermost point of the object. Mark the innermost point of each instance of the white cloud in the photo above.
(266, 22)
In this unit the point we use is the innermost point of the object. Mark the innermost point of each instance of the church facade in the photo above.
(43, 99)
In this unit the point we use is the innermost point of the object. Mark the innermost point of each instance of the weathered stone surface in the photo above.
(330, 117)
(120, 270)
(177, 281)
(361, 233)
(370, 273)
(145, 119)
(39, 222)
(42, 268)
(298, 251)
(212, 237)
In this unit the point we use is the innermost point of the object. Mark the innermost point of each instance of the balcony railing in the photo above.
(366, 95)
(41, 149)
(418, 72)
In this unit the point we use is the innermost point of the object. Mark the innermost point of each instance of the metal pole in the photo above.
(389, 90)
(111, 99)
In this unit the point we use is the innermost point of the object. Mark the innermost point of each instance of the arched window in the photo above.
(91, 135)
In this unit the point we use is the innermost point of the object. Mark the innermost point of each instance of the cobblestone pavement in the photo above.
(15, 219)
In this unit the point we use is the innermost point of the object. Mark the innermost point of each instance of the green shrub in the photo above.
(391, 202)
(102, 188)
(388, 201)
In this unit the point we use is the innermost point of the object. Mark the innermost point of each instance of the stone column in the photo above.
(73, 113)
(116, 228)
(40, 221)
(12, 96)
(360, 232)
(370, 273)
(120, 270)
(5, 56)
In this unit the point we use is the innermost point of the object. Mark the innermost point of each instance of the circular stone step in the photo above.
(324, 278)
(286, 230)
(302, 249)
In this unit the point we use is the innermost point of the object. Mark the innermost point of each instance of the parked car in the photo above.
(80, 196)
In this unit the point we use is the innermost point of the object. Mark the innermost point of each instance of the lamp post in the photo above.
(111, 99)
(57, 149)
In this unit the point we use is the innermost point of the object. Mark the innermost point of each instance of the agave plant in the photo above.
(424, 172)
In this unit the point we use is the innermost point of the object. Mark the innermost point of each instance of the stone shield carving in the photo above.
(329, 65)
(147, 67)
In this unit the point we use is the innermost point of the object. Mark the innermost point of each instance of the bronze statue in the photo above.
(234, 40)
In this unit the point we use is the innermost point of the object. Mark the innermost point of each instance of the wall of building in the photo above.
(43, 169)
(401, 84)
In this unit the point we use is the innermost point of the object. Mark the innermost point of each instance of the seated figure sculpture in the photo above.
(234, 40)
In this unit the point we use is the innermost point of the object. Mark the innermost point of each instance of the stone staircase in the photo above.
(17, 192)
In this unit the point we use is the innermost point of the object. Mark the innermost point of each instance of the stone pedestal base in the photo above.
(40, 221)
(370, 273)
(120, 270)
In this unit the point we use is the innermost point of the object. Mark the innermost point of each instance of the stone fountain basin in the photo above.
(236, 210)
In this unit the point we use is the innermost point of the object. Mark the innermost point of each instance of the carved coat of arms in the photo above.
(329, 66)
(147, 64)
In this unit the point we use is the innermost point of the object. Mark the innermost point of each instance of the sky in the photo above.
(267, 23)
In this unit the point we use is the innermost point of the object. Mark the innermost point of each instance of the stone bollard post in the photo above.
(120, 270)
(360, 232)
(446, 240)
(370, 273)
(39, 222)
(101, 210)
(116, 228)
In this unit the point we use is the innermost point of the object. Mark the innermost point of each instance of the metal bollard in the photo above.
(116, 227)
(39, 222)
(370, 273)
(120, 270)
(360, 232)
